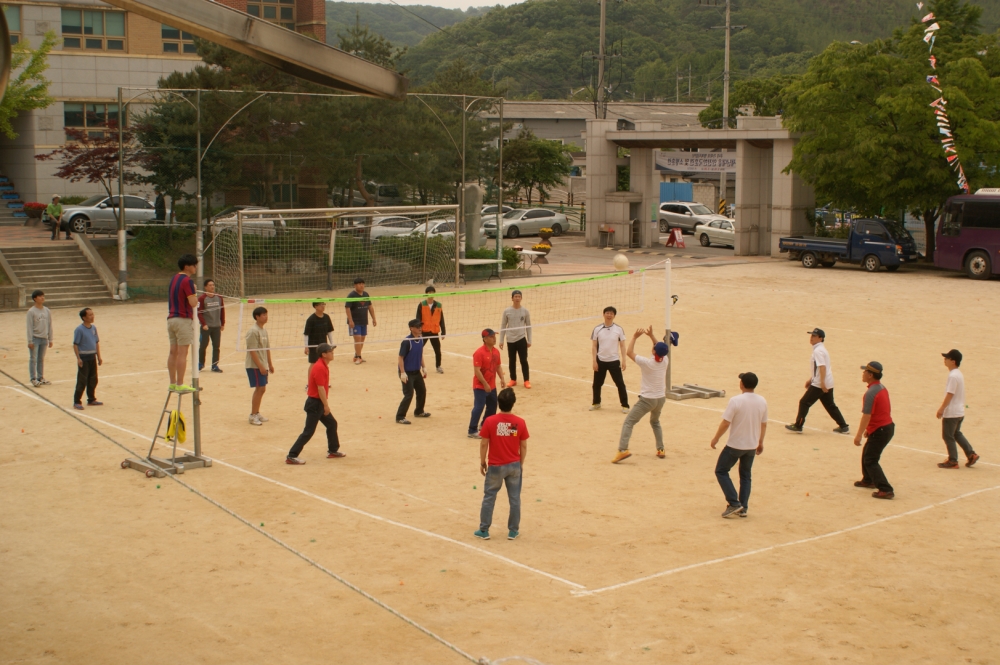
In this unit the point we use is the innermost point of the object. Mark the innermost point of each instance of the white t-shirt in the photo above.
(956, 386)
(745, 413)
(821, 358)
(654, 377)
(608, 339)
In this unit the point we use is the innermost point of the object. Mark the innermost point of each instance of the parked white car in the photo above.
(526, 222)
(227, 219)
(718, 232)
(100, 213)
(685, 215)
(442, 228)
(395, 225)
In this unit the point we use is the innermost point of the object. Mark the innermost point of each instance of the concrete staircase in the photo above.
(11, 206)
(62, 271)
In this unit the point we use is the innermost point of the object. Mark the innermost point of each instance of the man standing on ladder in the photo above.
(182, 301)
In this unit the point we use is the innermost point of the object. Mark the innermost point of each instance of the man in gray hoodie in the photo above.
(39, 338)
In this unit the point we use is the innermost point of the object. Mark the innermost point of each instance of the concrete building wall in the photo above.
(792, 198)
(753, 199)
(602, 160)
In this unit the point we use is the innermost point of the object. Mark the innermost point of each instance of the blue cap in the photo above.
(661, 349)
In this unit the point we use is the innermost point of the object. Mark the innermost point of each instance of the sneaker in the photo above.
(294, 460)
(661, 453)
(78, 407)
(473, 435)
(425, 414)
(183, 388)
(173, 387)
(336, 455)
(261, 418)
(35, 383)
(595, 407)
(253, 420)
(439, 370)
(794, 428)
(44, 382)
(973, 458)
(948, 464)
(527, 384)
(512, 384)
(357, 360)
(622, 454)
(482, 535)
(744, 513)
(625, 409)
(216, 369)
(512, 535)
(402, 421)
(201, 366)
(95, 403)
(846, 429)
(883, 495)
(863, 483)
(732, 511)
(361, 360)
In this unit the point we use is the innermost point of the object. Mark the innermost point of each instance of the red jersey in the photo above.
(181, 286)
(876, 404)
(488, 361)
(505, 432)
(319, 375)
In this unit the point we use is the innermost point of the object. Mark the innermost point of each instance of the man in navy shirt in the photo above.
(87, 347)
(412, 373)
(357, 317)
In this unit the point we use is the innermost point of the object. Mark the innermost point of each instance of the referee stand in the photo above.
(688, 390)
(176, 464)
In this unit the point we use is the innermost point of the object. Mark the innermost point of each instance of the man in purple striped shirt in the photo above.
(182, 300)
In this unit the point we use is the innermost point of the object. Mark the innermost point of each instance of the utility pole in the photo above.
(677, 84)
(723, 185)
(602, 111)
(689, 81)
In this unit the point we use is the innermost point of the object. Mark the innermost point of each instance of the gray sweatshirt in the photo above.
(39, 324)
(515, 324)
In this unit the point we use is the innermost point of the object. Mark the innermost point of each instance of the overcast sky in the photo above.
(451, 4)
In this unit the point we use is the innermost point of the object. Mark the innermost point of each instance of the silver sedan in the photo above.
(100, 213)
(527, 222)
(719, 232)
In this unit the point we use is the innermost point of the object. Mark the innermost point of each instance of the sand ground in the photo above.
(627, 564)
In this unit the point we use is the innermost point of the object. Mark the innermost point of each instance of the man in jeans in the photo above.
(412, 373)
(317, 409)
(608, 350)
(746, 419)
(952, 413)
(877, 425)
(652, 394)
(819, 386)
(212, 317)
(485, 367)
(87, 347)
(504, 440)
(39, 338)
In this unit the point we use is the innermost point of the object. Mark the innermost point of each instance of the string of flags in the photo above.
(940, 104)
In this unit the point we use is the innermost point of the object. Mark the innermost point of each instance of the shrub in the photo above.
(72, 200)
(34, 205)
(510, 258)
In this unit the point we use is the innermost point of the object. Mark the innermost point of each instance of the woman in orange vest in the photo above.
(432, 321)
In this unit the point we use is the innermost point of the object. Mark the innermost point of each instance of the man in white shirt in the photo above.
(952, 413)
(608, 351)
(819, 387)
(746, 419)
(652, 393)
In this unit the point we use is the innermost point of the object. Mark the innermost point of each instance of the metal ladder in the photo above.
(160, 466)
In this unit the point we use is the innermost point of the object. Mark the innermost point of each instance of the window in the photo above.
(875, 231)
(285, 193)
(951, 221)
(95, 119)
(176, 41)
(282, 13)
(138, 203)
(93, 30)
(981, 215)
(13, 15)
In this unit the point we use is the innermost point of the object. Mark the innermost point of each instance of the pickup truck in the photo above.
(872, 242)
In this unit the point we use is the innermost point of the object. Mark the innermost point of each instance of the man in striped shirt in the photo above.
(182, 302)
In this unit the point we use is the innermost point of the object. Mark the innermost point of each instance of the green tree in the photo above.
(27, 89)
(652, 81)
(871, 141)
(763, 96)
(364, 43)
(530, 164)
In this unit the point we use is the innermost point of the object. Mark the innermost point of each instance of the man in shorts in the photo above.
(652, 394)
(318, 330)
(608, 349)
(317, 409)
(486, 366)
(877, 426)
(258, 363)
(182, 301)
(502, 449)
(432, 327)
(412, 373)
(746, 419)
(358, 312)
(952, 413)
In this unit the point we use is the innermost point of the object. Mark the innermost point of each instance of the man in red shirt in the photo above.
(180, 320)
(504, 438)
(317, 409)
(877, 425)
(485, 367)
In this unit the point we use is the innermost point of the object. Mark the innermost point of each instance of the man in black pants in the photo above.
(877, 425)
(412, 373)
(515, 325)
(608, 351)
(317, 409)
(431, 318)
(819, 386)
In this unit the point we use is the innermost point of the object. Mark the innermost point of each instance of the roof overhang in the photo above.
(667, 139)
(279, 47)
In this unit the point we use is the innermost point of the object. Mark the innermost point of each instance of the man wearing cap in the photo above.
(515, 325)
(877, 425)
(652, 394)
(819, 386)
(412, 373)
(952, 413)
(746, 419)
(317, 409)
(485, 367)
(54, 212)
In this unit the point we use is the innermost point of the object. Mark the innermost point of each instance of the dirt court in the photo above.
(627, 563)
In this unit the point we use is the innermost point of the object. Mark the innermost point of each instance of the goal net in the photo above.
(466, 312)
(258, 251)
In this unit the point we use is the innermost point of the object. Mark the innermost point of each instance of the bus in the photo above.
(968, 235)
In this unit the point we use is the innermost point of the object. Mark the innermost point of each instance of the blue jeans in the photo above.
(36, 361)
(727, 460)
(483, 400)
(495, 478)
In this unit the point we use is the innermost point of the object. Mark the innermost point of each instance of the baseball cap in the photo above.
(661, 349)
(749, 380)
(415, 323)
(874, 367)
(325, 348)
(488, 332)
(818, 332)
(515, 292)
(954, 354)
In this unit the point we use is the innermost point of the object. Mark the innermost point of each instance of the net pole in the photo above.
(239, 246)
(500, 191)
(666, 305)
(427, 226)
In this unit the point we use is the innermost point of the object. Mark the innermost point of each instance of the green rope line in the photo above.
(443, 294)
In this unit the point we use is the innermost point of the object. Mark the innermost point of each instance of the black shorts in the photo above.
(313, 354)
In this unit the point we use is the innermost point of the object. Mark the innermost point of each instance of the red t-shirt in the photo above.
(487, 360)
(181, 286)
(505, 432)
(319, 375)
(876, 403)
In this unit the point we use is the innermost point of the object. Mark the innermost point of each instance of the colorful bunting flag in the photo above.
(933, 62)
(932, 28)
(928, 37)
(929, 17)
(920, 6)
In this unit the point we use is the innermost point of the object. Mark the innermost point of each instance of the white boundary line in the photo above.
(331, 502)
(802, 541)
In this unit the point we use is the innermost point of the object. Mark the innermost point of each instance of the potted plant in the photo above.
(545, 234)
(34, 210)
(544, 248)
